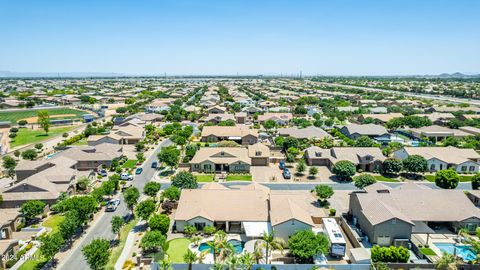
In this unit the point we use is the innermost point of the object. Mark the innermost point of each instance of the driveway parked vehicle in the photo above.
(126, 176)
(103, 173)
(282, 165)
(138, 171)
(112, 205)
(286, 174)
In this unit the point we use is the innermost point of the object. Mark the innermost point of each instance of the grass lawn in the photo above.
(177, 248)
(463, 178)
(53, 222)
(239, 177)
(204, 177)
(34, 263)
(427, 252)
(382, 178)
(14, 116)
(27, 136)
(130, 164)
(81, 142)
(117, 250)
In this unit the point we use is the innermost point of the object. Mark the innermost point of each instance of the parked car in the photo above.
(282, 165)
(126, 185)
(286, 174)
(126, 176)
(138, 171)
(103, 173)
(112, 205)
(154, 164)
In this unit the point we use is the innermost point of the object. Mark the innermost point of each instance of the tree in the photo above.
(184, 180)
(44, 120)
(447, 262)
(344, 169)
(152, 241)
(151, 189)
(290, 142)
(145, 208)
(301, 166)
(38, 146)
(447, 179)
(50, 244)
(209, 230)
(190, 257)
(171, 193)
(29, 154)
(31, 209)
(323, 192)
(190, 230)
(117, 224)
(270, 243)
(70, 224)
(22, 123)
(131, 195)
(269, 124)
(82, 183)
(313, 171)
(389, 254)
(247, 260)
(415, 164)
(476, 181)
(392, 166)
(97, 253)
(169, 155)
(305, 244)
(364, 141)
(364, 180)
(9, 164)
(159, 222)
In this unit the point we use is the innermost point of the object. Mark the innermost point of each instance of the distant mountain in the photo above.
(9, 74)
(458, 75)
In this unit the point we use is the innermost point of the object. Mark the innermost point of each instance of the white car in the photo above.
(126, 176)
(320, 259)
(112, 205)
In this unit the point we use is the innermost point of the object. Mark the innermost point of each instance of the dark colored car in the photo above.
(154, 164)
(281, 165)
(286, 174)
(138, 171)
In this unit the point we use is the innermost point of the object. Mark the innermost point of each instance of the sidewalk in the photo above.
(129, 245)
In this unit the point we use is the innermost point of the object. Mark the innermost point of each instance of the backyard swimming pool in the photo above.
(466, 252)
(237, 246)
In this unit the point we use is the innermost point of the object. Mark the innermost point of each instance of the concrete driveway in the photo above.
(266, 173)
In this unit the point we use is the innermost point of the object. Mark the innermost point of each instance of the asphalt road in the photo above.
(102, 228)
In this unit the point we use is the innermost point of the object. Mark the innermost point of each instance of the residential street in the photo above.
(102, 228)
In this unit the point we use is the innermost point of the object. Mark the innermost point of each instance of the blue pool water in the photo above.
(237, 245)
(466, 252)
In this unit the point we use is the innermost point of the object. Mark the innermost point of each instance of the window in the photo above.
(471, 168)
(432, 167)
(258, 153)
(464, 168)
(199, 225)
(196, 166)
(318, 154)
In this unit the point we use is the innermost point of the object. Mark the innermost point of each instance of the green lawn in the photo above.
(177, 248)
(14, 116)
(81, 142)
(427, 252)
(27, 136)
(37, 261)
(239, 177)
(117, 250)
(204, 177)
(382, 178)
(53, 222)
(130, 164)
(463, 178)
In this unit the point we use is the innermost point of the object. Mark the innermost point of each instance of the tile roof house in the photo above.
(390, 216)
(437, 133)
(355, 131)
(383, 118)
(239, 133)
(442, 158)
(216, 118)
(280, 118)
(229, 159)
(159, 104)
(310, 132)
(365, 158)
(126, 133)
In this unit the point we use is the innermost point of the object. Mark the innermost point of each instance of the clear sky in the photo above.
(358, 37)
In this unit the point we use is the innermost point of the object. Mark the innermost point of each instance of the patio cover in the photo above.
(256, 228)
(234, 138)
(421, 227)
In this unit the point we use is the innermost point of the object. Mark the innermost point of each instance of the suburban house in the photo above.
(10, 220)
(365, 158)
(438, 118)
(437, 133)
(259, 154)
(240, 134)
(390, 216)
(281, 119)
(355, 131)
(442, 158)
(216, 118)
(159, 104)
(310, 132)
(380, 118)
(224, 159)
(127, 133)
(217, 110)
(241, 117)
(252, 210)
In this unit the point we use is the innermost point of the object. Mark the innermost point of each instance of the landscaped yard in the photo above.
(463, 178)
(53, 222)
(177, 248)
(204, 177)
(117, 250)
(382, 178)
(27, 136)
(14, 116)
(239, 177)
(427, 252)
(35, 262)
(130, 164)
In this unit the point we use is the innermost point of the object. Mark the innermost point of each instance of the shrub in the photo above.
(476, 181)
(447, 179)
(344, 169)
(364, 180)
(333, 212)
(389, 254)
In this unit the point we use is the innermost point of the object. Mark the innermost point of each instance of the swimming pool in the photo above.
(466, 252)
(237, 246)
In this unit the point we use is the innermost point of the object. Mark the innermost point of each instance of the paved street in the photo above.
(102, 228)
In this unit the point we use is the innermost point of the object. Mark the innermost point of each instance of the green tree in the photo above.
(415, 164)
(270, 243)
(32, 209)
(389, 254)
(305, 244)
(170, 156)
(190, 258)
(313, 171)
(323, 192)
(50, 244)
(269, 124)
(97, 253)
(29, 154)
(69, 225)
(82, 183)
(301, 166)
(364, 180)
(117, 223)
(131, 195)
(145, 209)
(152, 241)
(151, 189)
(159, 222)
(447, 262)
(447, 179)
(364, 141)
(290, 142)
(344, 169)
(171, 193)
(476, 181)
(185, 180)
(9, 164)
(44, 120)
(392, 166)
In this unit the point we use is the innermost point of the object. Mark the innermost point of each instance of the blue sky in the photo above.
(384, 37)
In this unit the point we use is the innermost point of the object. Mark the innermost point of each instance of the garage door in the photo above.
(383, 241)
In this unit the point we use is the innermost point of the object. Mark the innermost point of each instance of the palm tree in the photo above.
(447, 262)
(166, 264)
(257, 253)
(217, 266)
(219, 242)
(247, 260)
(271, 243)
(232, 262)
(190, 257)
